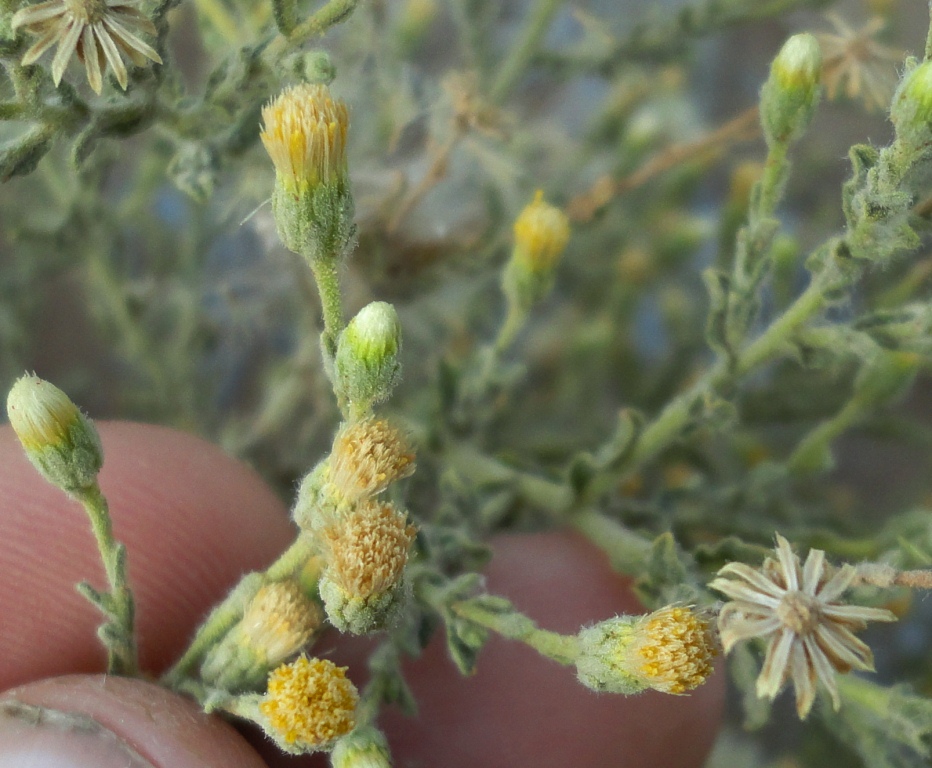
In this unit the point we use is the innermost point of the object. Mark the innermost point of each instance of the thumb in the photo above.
(94, 721)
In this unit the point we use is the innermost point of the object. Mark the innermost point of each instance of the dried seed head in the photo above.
(100, 32)
(309, 704)
(799, 610)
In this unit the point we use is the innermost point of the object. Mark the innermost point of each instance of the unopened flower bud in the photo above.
(367, 367)
(277, 623)
(790, 95)
(365, 552)
(364, 747)
(308, 706)
(541, 233)
(670, 650)
(58, 439)
(911, 111)
(304, 132)
(886, 377)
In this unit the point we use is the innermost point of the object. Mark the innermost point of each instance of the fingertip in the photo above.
(193, 521)
(94, 721)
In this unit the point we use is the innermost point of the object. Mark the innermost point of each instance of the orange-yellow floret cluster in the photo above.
(367, 457)
(310, 703)
(672, 650)
(368, 549)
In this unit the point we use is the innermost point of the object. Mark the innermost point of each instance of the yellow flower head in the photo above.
(541, 234)
(367, 457)
(304, 132)
(670, 650)
(367, 549)
(279, 621)
(309, 704)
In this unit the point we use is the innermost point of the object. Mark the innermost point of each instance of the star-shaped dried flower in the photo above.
(99, 31)
(856, 63)
(799, 611)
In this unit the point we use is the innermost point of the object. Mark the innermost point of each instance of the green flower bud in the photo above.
(314, 67)
(366, 365)
(669, 650)
(58, 439)
(790, 95)
(886, 377)
(911, 111)
(363, 747)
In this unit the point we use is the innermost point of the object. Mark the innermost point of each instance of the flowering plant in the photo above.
(562, 368)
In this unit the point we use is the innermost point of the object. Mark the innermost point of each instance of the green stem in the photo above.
(770, 342)
(525, 48)
(481, 469)
(808, 454)
(224, 616)
(627, 551)
(511, 327)
(563, 649)
(326, 273)
(772, 181)
(332, 13)
(118, 605)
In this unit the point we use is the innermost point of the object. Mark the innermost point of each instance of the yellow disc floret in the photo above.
(672, 650)
(309, 704)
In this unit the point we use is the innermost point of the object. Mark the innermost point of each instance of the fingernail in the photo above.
(39, 737)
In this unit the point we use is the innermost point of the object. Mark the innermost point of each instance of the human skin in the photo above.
(194, 521)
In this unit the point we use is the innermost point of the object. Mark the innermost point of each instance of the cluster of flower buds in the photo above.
(363, 540)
